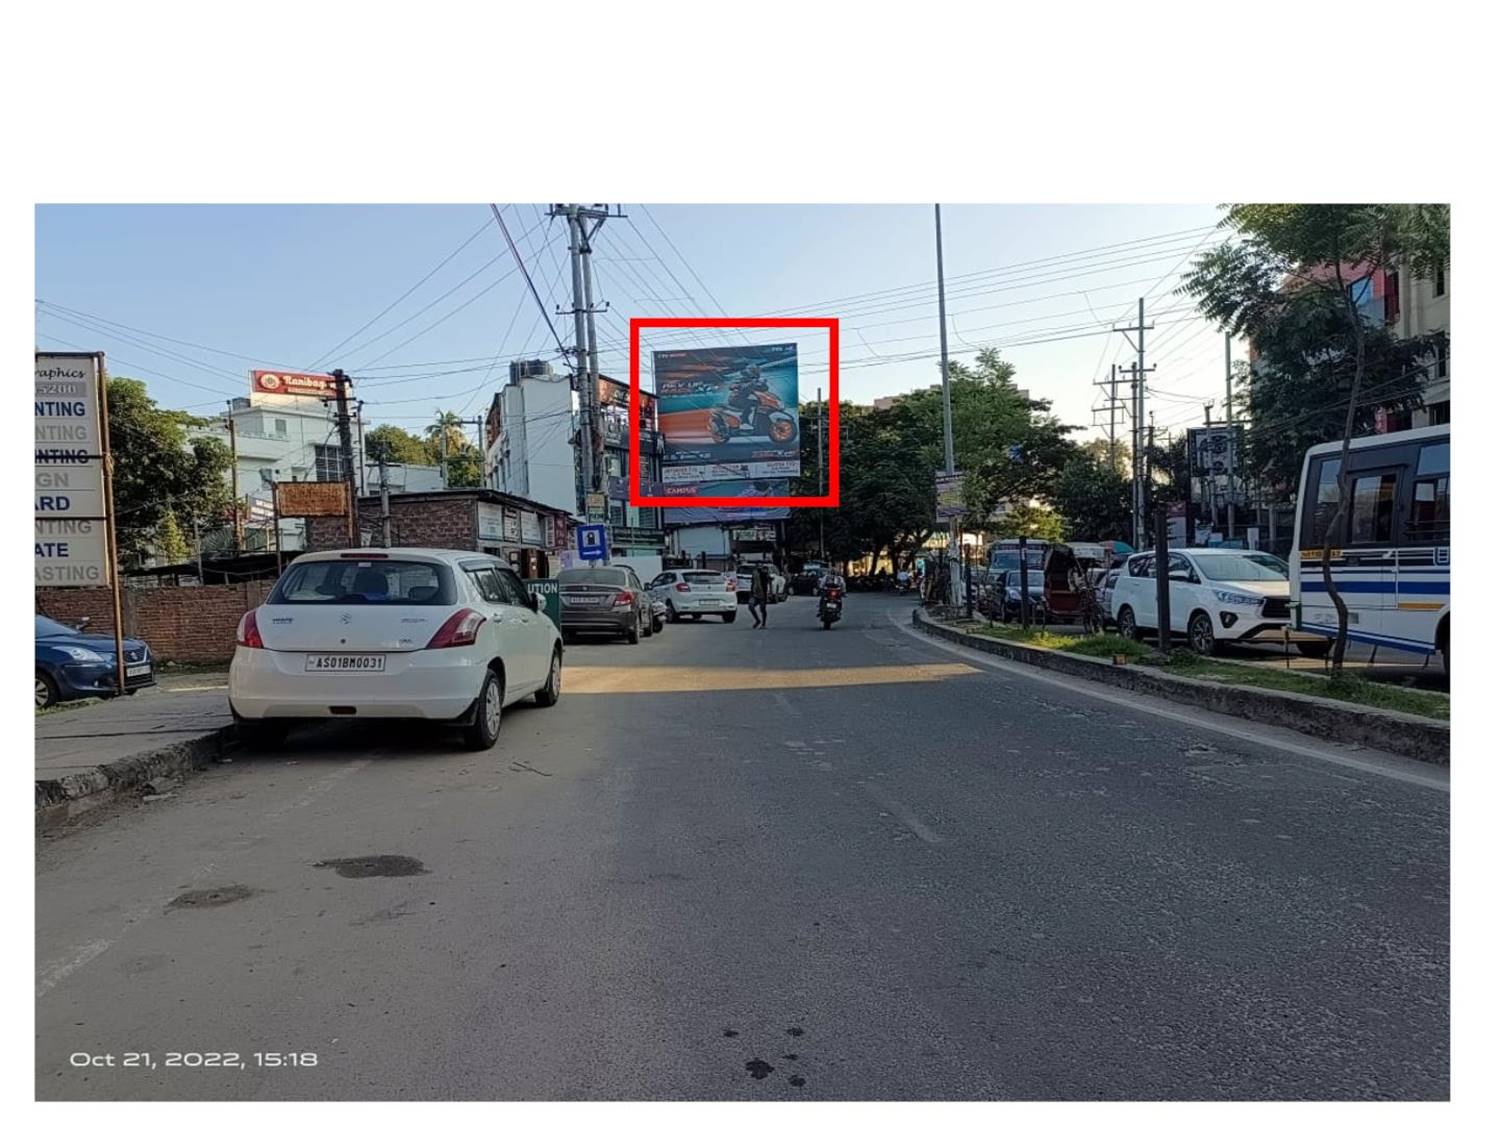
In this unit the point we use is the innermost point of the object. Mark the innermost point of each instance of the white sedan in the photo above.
(449, 636)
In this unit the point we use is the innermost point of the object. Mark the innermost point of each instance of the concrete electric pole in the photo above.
(953, 545)
(346, 448)
(585, 345)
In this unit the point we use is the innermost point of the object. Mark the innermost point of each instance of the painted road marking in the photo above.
(658, 679)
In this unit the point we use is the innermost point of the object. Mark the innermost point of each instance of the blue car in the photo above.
(71, 665)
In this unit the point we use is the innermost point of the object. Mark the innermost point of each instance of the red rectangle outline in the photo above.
(830, 499)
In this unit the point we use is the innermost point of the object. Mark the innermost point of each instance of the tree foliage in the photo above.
(1093, 497)
(1294, 283)
(1009, 447)
(396, 446)
(159, 471)
(1031, 521)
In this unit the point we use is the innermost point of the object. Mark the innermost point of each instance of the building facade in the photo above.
(529, 446)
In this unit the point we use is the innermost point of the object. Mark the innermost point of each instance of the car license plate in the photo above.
(136, 671)
(582, 599)
(346, 663)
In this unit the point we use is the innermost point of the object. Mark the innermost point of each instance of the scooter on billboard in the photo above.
(769, 417)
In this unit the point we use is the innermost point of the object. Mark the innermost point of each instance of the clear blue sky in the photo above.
(286, 284)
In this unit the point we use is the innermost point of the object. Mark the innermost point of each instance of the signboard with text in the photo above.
(950, 494)
(72, 540)
(292, 383)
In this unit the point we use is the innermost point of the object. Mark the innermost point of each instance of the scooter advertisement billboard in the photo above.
(728, 413)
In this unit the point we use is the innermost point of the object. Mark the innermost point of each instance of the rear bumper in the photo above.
(604, 619)
(706, 603)
(436, 684)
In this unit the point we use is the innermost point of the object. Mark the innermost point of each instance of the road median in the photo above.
(1336, 721)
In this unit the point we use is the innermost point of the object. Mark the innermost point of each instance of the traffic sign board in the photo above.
(593, 541)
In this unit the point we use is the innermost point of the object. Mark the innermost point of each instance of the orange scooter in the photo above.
(772, 420)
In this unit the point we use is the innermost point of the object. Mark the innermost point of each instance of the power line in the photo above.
(425, 277)
(562, 351)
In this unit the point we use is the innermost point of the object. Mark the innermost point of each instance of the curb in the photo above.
(1410, 736)
(61, 799)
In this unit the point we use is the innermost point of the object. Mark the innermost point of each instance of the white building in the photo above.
(1423, 308)
(279, 437)
(528, 448)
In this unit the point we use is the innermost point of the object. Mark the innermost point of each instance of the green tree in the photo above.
(158, 470)
(1030, 521)
(1093, 497)
(396, 446)
(1294, 282)
(171, 544)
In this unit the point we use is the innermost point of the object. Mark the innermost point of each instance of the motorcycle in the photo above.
(832, 608)
(772, 421)
(903, 584)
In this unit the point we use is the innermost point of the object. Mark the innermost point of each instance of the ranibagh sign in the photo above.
(72, 539)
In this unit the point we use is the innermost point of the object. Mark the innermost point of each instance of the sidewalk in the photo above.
(118, 744)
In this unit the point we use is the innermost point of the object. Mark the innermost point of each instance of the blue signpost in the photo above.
(593, 542)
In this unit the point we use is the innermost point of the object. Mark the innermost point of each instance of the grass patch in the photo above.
(1349, 687)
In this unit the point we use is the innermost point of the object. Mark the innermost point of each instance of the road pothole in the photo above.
(211, 896)
(373, 866)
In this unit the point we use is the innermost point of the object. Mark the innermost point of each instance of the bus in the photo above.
(1390, 557)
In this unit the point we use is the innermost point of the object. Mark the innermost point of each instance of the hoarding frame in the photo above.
(830, 499)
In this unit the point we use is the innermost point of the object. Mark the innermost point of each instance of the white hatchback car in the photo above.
(695, 593)
(1217, 596)
(448, 636)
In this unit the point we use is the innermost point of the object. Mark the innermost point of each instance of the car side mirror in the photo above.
(83, 622)
(536, 601)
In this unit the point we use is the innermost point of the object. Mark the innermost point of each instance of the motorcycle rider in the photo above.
(830, 581)
(743, 391)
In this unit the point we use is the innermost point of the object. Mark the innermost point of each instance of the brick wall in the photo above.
(449, 524)
(194, 624)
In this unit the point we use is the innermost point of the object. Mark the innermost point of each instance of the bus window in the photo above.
(1429, 503)
(1325, 502)
(1371, 508)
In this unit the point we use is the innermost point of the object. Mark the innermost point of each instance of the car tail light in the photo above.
(248, 634)
(731, 585)
(682, 588)
(460, 629)
(624, 597)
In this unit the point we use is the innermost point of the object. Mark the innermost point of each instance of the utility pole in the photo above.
(443, 451)
(1114, 408)
(585, 345)
(346, 447)
(937, 214)
(1138, 371)
(821, 554)
(1229, 426)
(385, 502)
(359, 425)
(234, 483)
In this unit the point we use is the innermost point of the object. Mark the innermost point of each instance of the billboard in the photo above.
(685, 516)
(71, 537)
(1212, 450)
(292, 383)
(728, 413)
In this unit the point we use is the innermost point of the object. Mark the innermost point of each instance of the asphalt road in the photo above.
(767, 865)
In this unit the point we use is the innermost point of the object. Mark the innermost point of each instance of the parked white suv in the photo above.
(449, 636)
(1217, 596)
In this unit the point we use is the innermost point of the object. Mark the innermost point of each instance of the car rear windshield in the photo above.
(1242, 568)
(365, 582)
(703, 576)
(593, 575)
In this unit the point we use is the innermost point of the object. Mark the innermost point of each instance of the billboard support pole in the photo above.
(116, 577)
(821, 554)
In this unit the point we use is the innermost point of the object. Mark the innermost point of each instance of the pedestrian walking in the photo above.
(760, 590)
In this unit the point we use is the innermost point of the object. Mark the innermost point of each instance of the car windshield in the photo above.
(593, 575)
(1035, 579)
(46, 627)
(1242, 568)
(365, 582)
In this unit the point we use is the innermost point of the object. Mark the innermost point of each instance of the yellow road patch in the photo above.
(623, 681)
